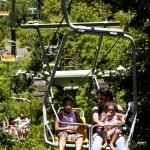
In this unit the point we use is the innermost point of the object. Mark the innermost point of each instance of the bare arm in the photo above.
(121, 116)
(78, 118)
(120, 109)
(95, 116)
(104, 115)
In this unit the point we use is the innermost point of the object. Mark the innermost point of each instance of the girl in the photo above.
(64, 130)
(109, 116)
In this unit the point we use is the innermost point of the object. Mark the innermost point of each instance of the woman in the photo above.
(104, 95)
(23, 123)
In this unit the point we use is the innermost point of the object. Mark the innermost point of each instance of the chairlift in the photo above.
(16, 97)
(7, 56)
(49, 95)
(3, 12)
(32, 15)
(67, 80)
(11, 128)
(9, 125)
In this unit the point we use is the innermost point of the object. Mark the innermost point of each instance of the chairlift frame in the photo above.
(8, 57)
(17, 98)
(15, 138)
(83, 29)
(4, 13)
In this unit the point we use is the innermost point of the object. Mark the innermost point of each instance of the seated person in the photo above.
(108, 116)
(11, 126)
(23, 123)
(104, 95)
(68, 131)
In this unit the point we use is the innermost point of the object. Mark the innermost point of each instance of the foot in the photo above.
(21, 140)
(112, 146)
(104, 145)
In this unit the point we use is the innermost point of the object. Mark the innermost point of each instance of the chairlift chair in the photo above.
(94, 31)
(49, 97)
(50, 133)
(7, 56)
(32, 13)
(3, 12)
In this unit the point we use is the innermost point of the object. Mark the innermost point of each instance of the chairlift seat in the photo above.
(8, 58)
(4, 13)
(32, 22)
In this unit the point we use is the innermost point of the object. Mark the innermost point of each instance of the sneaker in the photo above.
(23, 139)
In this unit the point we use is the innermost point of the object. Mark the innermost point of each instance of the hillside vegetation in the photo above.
(134, 20)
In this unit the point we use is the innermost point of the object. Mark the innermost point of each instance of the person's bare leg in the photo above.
(24, 135)
(20, 134)
(104, 135)
(114, 138)
(79, 143)
(62, 142)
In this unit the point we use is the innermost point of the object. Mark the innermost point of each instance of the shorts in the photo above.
(70, 136)
(24, 130)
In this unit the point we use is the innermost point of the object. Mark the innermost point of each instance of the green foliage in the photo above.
(81, 48)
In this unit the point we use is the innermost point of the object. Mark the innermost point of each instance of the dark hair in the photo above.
(65, 98)
(111, 103)
(22, 117)
(105, 92)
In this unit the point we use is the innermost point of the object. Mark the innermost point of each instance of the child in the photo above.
(11, 127)
(64, 130)
(110, 116)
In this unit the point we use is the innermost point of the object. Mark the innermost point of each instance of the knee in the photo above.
(117, 131)
(63, 137)
(80, 139)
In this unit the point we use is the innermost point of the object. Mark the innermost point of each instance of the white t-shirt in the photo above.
(20, 122)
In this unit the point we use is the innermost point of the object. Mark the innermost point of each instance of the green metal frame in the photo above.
(65, 25)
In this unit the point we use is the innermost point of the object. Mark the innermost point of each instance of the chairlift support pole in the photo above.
(13, 29)
(96, 54)
(42, 47)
